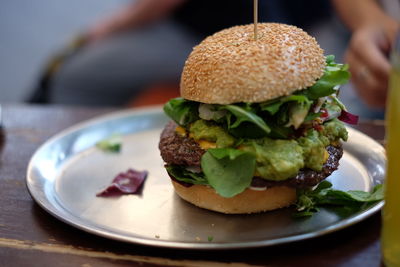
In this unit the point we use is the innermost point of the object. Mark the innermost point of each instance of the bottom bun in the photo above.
(249, 201)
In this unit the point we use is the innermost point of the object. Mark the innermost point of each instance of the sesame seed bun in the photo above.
(231, 66)
(249, 201)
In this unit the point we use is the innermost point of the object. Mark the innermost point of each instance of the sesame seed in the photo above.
(230, 66)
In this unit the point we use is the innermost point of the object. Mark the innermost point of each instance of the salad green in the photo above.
(271, 118)
(273, 139)
(309, 201)
(229, 171)
(110, 144)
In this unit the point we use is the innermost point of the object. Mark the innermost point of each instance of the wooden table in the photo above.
(29, 236)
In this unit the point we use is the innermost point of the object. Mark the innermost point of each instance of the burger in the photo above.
(258, 119)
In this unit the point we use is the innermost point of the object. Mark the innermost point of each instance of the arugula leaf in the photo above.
(256, 120)
(182, 111)
(247, 130)
(280, 131)
(111, 144)
(297, 98)
(335, 74)
(271, 106)
(330, 59)
(282, 116)
(312, 116)
(378, 193)
(183, 175)
(309, 201)
(355, 195)
(223, 153)
(243, 115)
(229, 171)
(292, 114)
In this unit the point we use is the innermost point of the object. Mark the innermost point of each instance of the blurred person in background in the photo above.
(147, 42)
(373, 33)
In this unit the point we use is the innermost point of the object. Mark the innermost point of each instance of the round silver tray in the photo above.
(67, 171)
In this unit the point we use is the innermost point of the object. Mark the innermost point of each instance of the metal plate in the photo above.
(67, 171)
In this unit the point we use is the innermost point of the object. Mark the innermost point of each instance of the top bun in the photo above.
(230, 66)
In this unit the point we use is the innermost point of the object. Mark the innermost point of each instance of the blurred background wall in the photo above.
(33, 30)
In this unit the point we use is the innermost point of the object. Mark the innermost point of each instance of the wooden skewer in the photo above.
(255, 19)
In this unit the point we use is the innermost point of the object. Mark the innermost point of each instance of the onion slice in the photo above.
(348, 117)
(129, 182)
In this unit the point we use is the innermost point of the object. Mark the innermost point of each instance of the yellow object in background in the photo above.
(391, 210)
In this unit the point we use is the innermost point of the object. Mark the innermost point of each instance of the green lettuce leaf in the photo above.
(280, 131)
(247, 130)
(312, 116)
(309, 201)
(335, 74)
(275, 118)
(182, 111)
(183, 175)
(286, 111)
(273, 106)
(111, 144)
(244, 115)
(229, 171)
(232, 154)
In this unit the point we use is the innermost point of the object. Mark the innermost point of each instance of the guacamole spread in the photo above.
(277, 159)
(206, 130)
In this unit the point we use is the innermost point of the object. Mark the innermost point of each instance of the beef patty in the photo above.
(178, 150)
(184, 151)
